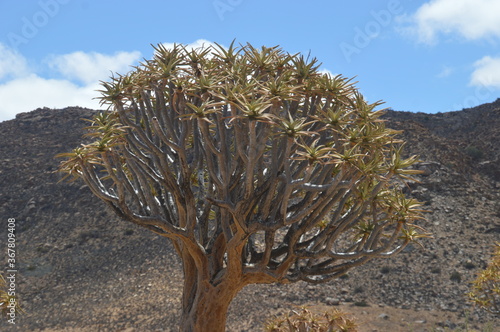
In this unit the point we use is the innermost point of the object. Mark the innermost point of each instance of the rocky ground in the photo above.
(81, 269)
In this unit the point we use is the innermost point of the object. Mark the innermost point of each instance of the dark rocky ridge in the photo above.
(81, 269)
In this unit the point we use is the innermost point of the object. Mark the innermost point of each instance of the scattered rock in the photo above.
(332, 301)
(383, 316)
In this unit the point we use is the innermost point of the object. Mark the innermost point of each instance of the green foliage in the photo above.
(305, 320)
(486, 287)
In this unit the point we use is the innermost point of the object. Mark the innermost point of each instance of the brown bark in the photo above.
(205, 305)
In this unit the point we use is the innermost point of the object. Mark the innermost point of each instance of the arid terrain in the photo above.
(82, 269)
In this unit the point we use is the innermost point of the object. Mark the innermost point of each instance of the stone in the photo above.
(332, 301)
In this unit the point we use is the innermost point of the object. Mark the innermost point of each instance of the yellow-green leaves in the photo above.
(279, 89)
(486, 287)
(203, 111)
(413, 233)
(72, 166)
(108, 133)
(315, 153)
(253, 110)
(364, 229)
(166, 60)
(295, 128)
(303, 68)
(404, 209)
(112, 92)
(335, 117)
(305, 320)
(336, 86)
(8, 302)
(399, 166)
(105, 125)
(263, 59)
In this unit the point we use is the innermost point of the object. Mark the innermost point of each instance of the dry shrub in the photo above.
(486, 288)
(304, 320)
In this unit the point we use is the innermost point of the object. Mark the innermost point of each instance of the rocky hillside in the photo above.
(81, 269)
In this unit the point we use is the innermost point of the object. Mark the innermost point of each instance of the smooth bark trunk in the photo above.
(205, 302)
(205, 308)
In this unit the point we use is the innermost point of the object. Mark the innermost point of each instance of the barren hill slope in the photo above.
(81, 269)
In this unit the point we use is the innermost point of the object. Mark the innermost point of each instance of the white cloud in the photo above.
(470, 19)
(23, 89)
(200, 43)
(30, 92)
(328, 72)
(91, 67)
(12, 64)
(486, 73)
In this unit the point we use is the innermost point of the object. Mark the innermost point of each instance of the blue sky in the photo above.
(420, 56)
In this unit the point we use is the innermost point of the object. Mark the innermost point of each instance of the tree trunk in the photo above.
(205, 306)
(205, 302)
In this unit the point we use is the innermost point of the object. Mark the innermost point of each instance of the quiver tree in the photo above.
(258, 167)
